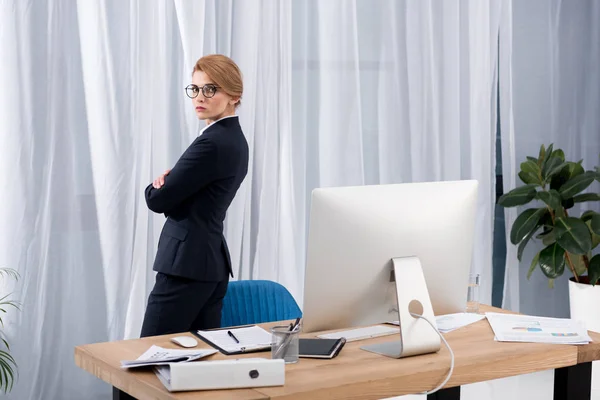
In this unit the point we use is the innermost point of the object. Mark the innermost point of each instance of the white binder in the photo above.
(222, 374)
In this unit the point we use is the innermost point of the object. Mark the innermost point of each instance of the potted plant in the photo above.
(8, 364)
(570, 242)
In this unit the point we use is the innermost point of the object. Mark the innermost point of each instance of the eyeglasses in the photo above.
(208, 90)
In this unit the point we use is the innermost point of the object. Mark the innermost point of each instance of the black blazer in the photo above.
(195, 198)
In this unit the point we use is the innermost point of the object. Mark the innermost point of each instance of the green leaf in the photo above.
(534, 264)
(552, 261)
(525, 223)
(547, 157)
(594, 269)
(518, 196)
(552, 167)
(595, 224)
(535, 160)
(559, 153)
(578, 263)
(525, 241)
(530, 172)
(548, 153)
(529, 178)
(580, 198)
(551, 198)
(573, 235)
(595, 236)
(576, 185)
(542, 153)
(531, 167)
(554, 170)
(586, 216)
(547, 237)
(569, 171)
(547, 231)
(7, 370)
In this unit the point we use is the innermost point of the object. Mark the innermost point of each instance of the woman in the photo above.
(192, 260)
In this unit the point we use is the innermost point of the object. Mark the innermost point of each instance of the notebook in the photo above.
(320, 348)
(229, 341)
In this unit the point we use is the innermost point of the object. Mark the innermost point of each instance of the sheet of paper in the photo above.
(252, 337)
(164, 371)
(525, 328)
(450, 322)
(157, 355)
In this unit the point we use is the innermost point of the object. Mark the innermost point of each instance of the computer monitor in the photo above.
(355, 232)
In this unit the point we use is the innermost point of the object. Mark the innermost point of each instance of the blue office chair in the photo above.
(255, 302)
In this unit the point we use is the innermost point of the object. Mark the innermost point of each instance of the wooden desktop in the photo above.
(358, 374)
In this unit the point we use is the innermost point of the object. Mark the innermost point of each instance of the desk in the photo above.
(358, 374)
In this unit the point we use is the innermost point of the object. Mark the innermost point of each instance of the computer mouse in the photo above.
(185, 341)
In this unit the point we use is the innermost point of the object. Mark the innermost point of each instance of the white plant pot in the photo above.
(583, 301)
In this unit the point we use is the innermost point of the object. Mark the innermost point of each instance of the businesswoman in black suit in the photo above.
(192, 260)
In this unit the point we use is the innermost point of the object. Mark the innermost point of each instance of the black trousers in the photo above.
(179, 304)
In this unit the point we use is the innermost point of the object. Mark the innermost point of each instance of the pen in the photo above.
(285, 343)
(296, 323)
(233, 336)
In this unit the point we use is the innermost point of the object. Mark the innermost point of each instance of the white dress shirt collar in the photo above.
(211, 124)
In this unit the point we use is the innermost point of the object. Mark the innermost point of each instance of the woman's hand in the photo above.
(160, 181)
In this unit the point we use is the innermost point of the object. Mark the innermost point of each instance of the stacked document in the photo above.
(157, 355)
(448, 323)
(524, 328)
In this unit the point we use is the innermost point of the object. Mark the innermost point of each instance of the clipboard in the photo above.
(250, 339)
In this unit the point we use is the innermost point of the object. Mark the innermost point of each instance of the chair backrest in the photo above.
(255, 302)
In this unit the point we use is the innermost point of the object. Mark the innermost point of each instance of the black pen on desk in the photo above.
(233, 336)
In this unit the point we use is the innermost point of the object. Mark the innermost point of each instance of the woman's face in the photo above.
(211, 108)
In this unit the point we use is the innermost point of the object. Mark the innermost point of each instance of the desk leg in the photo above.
(120, 395)
(573, 383)
(446, 394)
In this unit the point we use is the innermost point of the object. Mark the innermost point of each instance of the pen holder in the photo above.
(285, 343)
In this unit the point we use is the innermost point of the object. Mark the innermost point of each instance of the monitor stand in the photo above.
(416, 335)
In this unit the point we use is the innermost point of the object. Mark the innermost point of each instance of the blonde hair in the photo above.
(224, 72)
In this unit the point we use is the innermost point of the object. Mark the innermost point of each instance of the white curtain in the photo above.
(396, 91)
(550, 93)
(92, 108)
(555, 96)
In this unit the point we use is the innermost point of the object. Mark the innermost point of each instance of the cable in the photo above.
(441, 385)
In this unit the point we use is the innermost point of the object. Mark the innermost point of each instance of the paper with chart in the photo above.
(525, 328)
(157, 355)
(249, 338)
